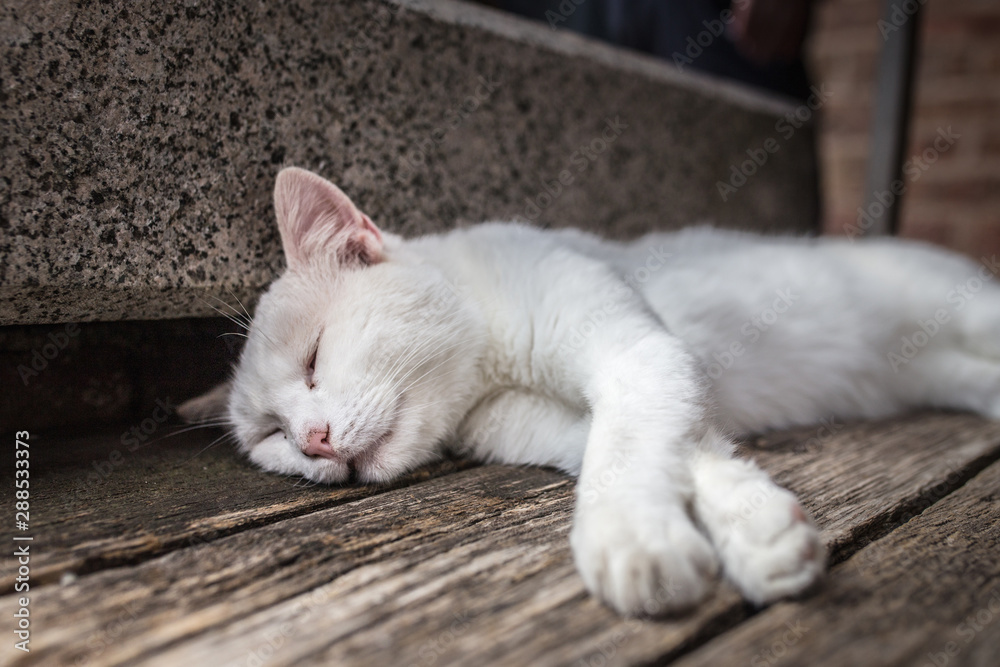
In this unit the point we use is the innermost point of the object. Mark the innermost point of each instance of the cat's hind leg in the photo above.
(768, 546)
(953, 377)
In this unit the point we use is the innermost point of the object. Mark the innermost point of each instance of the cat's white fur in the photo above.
(629, 365)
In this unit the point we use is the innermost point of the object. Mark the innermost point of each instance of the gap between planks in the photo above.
(926, 594)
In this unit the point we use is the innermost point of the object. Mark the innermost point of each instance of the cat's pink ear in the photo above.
(318, 221)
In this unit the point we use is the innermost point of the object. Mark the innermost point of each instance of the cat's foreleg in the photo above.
(633, 539)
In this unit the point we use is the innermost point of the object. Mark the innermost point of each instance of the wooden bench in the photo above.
(180, 553)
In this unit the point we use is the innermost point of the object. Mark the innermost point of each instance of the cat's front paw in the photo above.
(642, 562)
(774, 552)
(769, 547)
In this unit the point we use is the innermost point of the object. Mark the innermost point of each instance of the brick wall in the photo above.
(956, 200)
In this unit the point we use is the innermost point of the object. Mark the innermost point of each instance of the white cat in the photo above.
(629, 365)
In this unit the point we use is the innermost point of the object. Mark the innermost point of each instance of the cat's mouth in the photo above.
(364, 466)
(368, 457)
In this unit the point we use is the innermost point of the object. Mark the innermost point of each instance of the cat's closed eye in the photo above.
(311, 367)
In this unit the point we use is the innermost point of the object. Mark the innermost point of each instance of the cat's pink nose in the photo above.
(318, 443)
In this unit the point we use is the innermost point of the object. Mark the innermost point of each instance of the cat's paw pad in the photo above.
(642, 565)
(773, 550)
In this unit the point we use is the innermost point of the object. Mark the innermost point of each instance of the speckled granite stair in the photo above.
(140, 140)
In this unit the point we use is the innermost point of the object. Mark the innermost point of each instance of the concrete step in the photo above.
(141, 139)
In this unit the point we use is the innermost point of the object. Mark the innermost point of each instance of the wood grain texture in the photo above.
(188, 591)
(98, 503)
(472, 568)
(845, 472)
(926, 594)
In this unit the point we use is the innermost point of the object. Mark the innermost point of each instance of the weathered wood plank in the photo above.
(190, 590)
(863, 471)
(926, 594)
(98, 502)
(855, 479)
(844, 471)
(382, 579)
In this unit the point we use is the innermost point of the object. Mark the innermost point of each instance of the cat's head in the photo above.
(360, 357)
